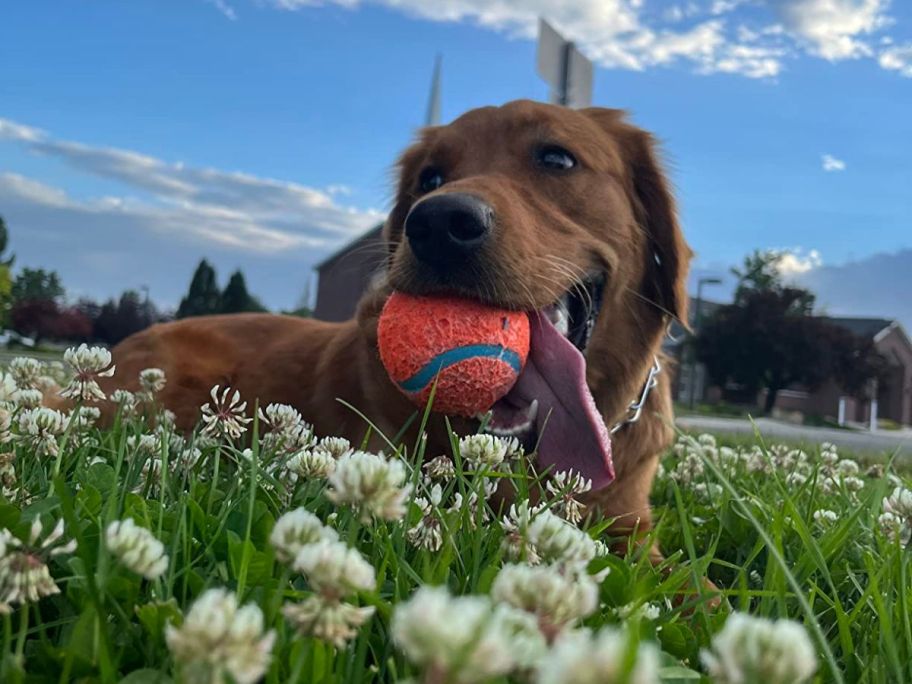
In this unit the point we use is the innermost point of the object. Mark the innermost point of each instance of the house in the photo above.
(345, 275)
(890, 399)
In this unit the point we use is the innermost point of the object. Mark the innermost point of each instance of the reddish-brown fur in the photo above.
(614, 213)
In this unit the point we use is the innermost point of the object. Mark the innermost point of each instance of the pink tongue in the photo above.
(572, 434)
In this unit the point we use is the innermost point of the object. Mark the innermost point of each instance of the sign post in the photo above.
(564, 68)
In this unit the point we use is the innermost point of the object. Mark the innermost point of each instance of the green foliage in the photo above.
(744, 517)
(236, 299)
(769, 338)
(37, 284)
(203, 297)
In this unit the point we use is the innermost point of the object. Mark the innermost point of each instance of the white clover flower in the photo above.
(847, 467)
(144, 445)
(796, 479)
(709, 491)
(311, 463)
(371, 484)
(26, 372)
(152, 381)
(336, 622)
(566, 487)
(896, 520)
(427, 534)
(217, 638)
(639, 611)
(224, 415)
(557, 541)
(6, 424)
(8, 480)
(895, 528)
(456, 639)
(137, 548)
(9, 391)
(280, 417)
(483, 451)
(295, 530)
(440, 468)
(24, 574)
(333, 569)
(88, 364)
(825, 517)
(707, 440)
(515, 525)
(581, 657)
(899, 502)
(82, 418)
(126, 401)
(757, 649)
(337, 447)
(39, 428)
(557, 598)
(29, 398)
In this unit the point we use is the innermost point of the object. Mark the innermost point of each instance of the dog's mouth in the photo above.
(550, 409)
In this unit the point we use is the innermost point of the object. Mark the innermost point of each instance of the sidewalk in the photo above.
(884, 441)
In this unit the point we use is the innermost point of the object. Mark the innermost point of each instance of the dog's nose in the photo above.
(446, 229)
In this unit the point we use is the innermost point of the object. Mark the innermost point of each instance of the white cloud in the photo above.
(713, 36)
(898, 59)
(230, 209)
(613, 33)
(834, 29)
(796, 262)
(831, 163)
(223, 7)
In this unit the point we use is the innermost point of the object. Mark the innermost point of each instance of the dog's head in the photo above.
(540, 208)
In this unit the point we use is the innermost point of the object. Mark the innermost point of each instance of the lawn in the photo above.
(134, 554)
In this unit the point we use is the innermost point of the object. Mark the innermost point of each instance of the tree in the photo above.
(236, 299)
(35, 284)
(117, 320)
(203, 297)
(769, 338)
(6, 279)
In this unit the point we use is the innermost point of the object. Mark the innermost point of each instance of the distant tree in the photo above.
(235, 297)
(34, 284)
(117, 320)
(769, 338)
(72, 325)
(203, 297)
(35, 318)
(6, 278)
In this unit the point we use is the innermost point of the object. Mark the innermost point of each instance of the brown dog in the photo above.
(564, 214)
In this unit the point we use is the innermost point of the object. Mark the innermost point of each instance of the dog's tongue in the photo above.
(572, 434)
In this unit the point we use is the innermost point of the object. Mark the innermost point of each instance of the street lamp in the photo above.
(691, 389)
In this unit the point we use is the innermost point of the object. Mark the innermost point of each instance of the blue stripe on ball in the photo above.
(450, 357)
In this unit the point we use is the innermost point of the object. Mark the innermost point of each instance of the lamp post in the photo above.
(691, 385)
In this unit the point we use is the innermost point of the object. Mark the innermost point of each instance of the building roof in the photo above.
(371, 234)
(862, 327)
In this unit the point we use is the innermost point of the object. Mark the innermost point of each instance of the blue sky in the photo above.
(137, 137)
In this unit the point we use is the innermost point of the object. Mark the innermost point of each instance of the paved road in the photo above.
(855, 440)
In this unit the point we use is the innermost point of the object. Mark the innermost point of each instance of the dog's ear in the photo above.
(667, 254)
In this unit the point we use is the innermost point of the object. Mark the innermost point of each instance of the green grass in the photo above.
(745, 525)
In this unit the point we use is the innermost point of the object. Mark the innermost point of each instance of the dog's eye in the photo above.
(430, 179)
(557, 158)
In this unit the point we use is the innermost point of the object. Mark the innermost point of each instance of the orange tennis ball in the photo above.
(473, 351)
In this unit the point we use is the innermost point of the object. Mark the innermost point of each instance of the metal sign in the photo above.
(564, 67)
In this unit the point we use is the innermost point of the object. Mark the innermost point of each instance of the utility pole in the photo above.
(692, 379)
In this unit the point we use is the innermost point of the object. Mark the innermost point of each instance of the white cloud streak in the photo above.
(709, 36)
(229, 209)
(832, 164)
